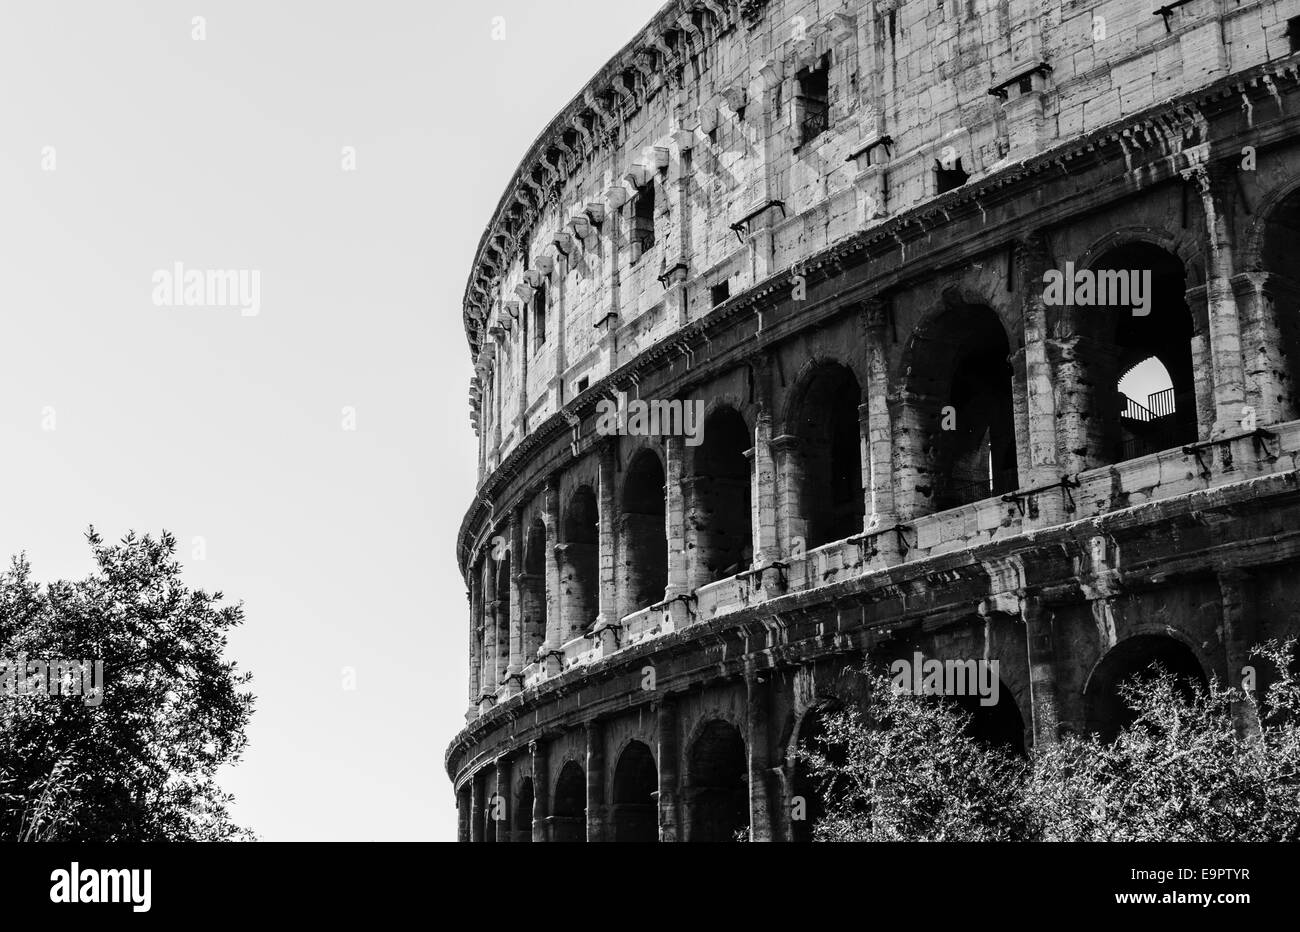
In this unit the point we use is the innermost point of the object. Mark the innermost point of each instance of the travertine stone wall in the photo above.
(1093, 135)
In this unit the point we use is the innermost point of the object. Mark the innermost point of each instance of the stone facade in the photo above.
(831, 223)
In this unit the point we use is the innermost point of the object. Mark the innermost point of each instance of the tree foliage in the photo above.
(1181, 771)
(141, 765)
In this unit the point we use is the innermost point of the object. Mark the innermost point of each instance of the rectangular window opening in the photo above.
(539, 317)
(813, 100)
(720, 292)
(643, 220)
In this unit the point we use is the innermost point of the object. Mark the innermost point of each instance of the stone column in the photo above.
(792, 528)
(666, 732)
(490, 677)
(1081, 364)
(910, 441)
(1225, 323)
(1042, 669)
(556, 614)
(607, 621)
(759, 765)
(1202, 365)
(1270, 389)
(679, 244)
(763, 470)
(607, 323)
(675, 530)
(477, 810)
(880, 506)
(1020, 414)
(475, 641)
(1033, 262)
(560, 355)
(676, 298)
(696, 533)
(1043, 466)
(514, 677)
(494, 376)
(500, 806)
(541, 789)
(525, 321)
(595, 782)
(464, 806)
(1239, 631)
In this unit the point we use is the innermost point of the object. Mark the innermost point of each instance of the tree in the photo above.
(1181, 771)
(137, 762)
(911, 772)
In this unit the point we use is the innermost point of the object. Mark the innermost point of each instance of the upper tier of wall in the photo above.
(716, 105)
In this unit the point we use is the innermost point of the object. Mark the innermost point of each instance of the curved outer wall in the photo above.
(826, 227)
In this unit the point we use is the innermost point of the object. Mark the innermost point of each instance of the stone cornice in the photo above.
(592, 115)
(1054, 550)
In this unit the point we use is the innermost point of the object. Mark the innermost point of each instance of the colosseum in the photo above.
(883, 267)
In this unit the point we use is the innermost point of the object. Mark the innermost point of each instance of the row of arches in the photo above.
(958, 436)
(715, 796)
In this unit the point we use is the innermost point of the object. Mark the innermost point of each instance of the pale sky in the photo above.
(128, 146)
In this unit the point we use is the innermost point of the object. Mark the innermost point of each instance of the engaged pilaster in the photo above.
(595, 781)
(1224, 318)
(607, 621)
(666, 734)
(675, 530)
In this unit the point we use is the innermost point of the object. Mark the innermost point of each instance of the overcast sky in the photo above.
(128, 146)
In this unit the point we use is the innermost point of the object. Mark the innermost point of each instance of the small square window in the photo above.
(582, 384)
(720, 292)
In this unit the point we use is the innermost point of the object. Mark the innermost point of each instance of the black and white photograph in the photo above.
(867, 426)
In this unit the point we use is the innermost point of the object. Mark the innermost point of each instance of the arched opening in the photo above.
(643, 535)
(532, 591)
(1143, 277)
(636, 784)
(826, 423)
(717, 796)
(569, 812)
(1271, 329)
(809, 792)
(524, 811)
(999, 724)
(1136, 658)
(720, 522)
(959, 438)
(579, 582)
(1148, 390)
